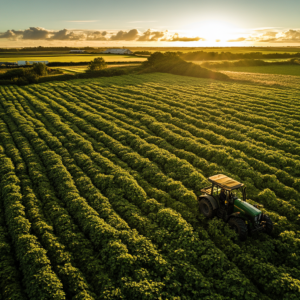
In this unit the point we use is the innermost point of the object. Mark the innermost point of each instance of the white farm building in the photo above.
(117, 51)
(77, 51)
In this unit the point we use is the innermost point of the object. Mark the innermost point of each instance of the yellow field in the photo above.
(64, 57)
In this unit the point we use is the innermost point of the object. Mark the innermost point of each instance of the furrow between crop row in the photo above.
(145, 259)
(172, 107)
(10, 276)
(88, 166)
(213, 95)
(224, 104)
(286, 209)
(81, 122)
(39, 279)
(88, 117)
(214, 90)
(61, 260)
(62, 223)
(188, 109)
(273, 255)
(192, 130)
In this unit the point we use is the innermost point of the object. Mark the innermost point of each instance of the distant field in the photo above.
(283, 70)
(264, 50)
(199, 62)
(81, 69)
(277, 80)
(72, 70)
(64, 57)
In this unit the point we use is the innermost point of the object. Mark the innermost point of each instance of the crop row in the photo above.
(140, 242)
(186, 142)
(165, 218)
(39, 279)
(284, 209)
(234, 107)
(260, 152)
(168, 219)
(189, 108)
(74, 120)
(106, 169)
(114, 253)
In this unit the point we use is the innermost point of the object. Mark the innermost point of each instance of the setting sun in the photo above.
(213, 31)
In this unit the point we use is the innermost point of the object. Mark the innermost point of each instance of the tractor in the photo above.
(226, 199)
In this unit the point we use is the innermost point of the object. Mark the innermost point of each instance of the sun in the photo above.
(214, 30)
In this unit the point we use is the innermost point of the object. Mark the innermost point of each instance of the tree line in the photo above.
(202, 55)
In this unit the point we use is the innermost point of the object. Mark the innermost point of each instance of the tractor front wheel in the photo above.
(268, 224)
(206, 208)
(240, 227)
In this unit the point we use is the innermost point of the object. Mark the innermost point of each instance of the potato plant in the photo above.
(99, 182)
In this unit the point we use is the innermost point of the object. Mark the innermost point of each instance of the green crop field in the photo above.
(63, 57)
(274, 69)
(99, 181)
(282, 81)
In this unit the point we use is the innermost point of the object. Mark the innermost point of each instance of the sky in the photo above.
(178, 23)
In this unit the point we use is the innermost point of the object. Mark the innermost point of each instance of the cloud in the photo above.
(131, 35)
(289, 36)
(151, 36)
(33, 33)
(11, 34)
(240, 39)
(64, 35)
(177, 38)
(97, 36)
(270, 33)
(38, 33)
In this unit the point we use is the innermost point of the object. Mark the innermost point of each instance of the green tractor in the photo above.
(226, 199)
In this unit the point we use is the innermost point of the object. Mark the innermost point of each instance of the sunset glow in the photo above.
(215, 30)
(161, 23)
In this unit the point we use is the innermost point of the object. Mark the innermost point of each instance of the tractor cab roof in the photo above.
(225, 182)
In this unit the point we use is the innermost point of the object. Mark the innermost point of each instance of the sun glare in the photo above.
(214, 31)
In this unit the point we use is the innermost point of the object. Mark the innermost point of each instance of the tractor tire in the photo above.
(269, 224)
(206, 208)
(240, 227)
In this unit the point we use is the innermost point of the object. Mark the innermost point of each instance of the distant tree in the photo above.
(40, 69)
(97, 64)
(158, 57)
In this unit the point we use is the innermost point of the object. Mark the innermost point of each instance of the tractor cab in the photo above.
(226, 199)
(230, 187)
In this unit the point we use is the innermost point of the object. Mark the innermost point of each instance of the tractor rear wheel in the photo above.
(268, 224)
(240, 227)
(206, 208)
